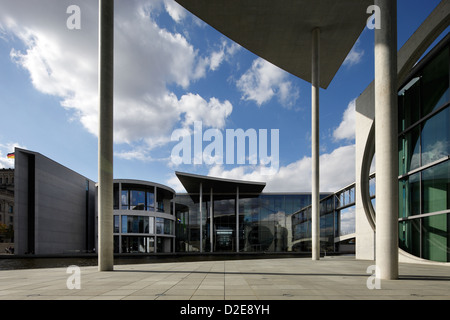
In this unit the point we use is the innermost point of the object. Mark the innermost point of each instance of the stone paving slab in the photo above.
(331, 278)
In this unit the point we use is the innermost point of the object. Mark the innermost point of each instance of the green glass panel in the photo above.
(409, 196)
(435, 83)
(435, 238)
(409, 105)
(409, 151)
(436, 188)
(409, 236)
(435, 137)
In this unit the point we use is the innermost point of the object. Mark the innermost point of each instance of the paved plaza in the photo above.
(334, 277)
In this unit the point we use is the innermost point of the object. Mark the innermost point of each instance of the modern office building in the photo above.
(423, 149)
(222, 215)
(54, 207)
(144, 220)
(56, 212)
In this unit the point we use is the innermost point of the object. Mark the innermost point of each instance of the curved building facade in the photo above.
(423, 149)
(424, 158)
(143, 217)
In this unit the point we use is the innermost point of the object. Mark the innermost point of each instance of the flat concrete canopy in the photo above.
(280, 31)
(191, 183)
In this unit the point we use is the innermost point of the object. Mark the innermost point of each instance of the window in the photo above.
(424, 163)
(116, 224)
(124, 200)
(159, 225)
(137, 199)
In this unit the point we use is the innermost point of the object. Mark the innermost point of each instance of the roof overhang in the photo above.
(280, 31)
(191, 182)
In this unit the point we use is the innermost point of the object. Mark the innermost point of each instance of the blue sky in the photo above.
(171, 70)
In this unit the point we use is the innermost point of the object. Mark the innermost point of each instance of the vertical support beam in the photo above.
(174, 224)
(211, 221)
(386, 141)
(105, 140)
(315, 213)
(237, 218)
(201, 217)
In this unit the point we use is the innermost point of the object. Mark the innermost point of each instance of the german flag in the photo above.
(10, 155)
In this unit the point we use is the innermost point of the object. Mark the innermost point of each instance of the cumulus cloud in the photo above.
(337, 171)
(337, 168)
(346, 129)
(263, 81)
(355, 56)
(148, 60)
(177, 12)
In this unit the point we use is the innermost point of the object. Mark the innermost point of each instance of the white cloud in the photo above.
(337, 168)
(336, 171)
(211, 113)
(148, 59)
(263, 81)
(176, 12)
(355, 56)
(346, 129)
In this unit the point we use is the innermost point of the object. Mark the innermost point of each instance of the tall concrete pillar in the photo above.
(237, 218)
(105, 139)
(386, 141)
(200, 209)
(211, 221)
(315, 210)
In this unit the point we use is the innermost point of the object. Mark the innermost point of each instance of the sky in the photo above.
(176, 78)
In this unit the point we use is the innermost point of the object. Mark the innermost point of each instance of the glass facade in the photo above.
(337, 222)
(263, 222)
(143, 217)
(424, 166)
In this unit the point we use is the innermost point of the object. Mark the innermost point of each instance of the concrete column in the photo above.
(386, 137)
(211, 221)
(237, 219)
(315, 81)
(105, 140)
(201, 217)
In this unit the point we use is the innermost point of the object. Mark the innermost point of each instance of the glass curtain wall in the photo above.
(424, 166)
(264, 222)
(136, 228)
(337, 219)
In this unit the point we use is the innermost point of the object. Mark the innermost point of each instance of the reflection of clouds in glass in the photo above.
(435, 151)
(347, 221)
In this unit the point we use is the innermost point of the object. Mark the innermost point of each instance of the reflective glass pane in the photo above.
(116, 224)
(435, 83)
(409, 151)
(159, 225)
(150, 201)
(409, 196)
(435, 238)
(409, 104)
(137, 199)
(436, 188)
(409, 236)
(124, 224)
(124, 200)
(347, 221)
(436, 137)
